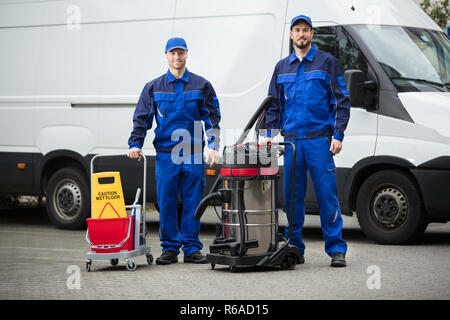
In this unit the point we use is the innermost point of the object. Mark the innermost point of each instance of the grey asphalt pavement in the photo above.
(39, 261)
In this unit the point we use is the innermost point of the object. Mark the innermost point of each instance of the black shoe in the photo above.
(196, 257)
(301, 260)
(338, 260)
(167, 257)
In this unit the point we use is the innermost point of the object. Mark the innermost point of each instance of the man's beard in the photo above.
(178, 66)
(303, 46)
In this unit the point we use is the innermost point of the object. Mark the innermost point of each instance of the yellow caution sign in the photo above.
(107, 196)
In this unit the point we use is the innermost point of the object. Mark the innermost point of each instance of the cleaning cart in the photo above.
(121, 236)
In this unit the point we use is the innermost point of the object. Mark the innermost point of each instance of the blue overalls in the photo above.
(178, 105)
(311, 105)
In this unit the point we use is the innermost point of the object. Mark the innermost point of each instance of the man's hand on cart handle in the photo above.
(135, 153)
(265, 141)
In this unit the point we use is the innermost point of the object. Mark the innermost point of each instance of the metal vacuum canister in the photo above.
(253, 187)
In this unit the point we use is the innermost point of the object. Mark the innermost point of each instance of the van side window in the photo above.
(349, 55)
(336, 41)
(325, 39)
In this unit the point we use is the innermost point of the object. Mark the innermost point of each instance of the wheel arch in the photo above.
(367, 167)
(58, 159)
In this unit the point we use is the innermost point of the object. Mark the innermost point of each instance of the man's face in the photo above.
(177, 58)
(301, 34)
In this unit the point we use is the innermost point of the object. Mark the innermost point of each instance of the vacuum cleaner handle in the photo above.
(262, 108)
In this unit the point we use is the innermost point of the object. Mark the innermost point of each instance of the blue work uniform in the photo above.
(311, 106)
(178, 105)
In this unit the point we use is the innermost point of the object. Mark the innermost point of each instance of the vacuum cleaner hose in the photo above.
(204, 203)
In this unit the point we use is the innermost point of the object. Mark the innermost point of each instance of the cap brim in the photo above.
(297, 20)
(178, 47)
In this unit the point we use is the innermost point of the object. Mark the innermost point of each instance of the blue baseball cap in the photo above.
(174, 43)
(301, 17)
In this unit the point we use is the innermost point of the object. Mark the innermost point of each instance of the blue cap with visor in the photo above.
(301, 17)
(176, 43)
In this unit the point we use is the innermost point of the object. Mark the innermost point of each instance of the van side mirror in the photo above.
(361, 92)
(354, 80)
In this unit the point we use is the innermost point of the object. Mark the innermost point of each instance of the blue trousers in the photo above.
(314, 155)
(189, 179)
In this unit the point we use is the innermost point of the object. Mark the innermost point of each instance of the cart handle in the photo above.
(144, 183)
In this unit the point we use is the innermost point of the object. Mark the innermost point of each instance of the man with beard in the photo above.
(178, 101)
(311, 106)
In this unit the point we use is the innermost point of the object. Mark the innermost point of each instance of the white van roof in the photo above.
(322, 12)
(344, 12)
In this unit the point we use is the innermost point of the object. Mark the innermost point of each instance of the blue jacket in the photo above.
(176, 104)
(310, 98)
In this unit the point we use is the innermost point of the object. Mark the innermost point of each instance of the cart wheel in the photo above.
(150, 259)
(289, 262)
(114, 262)
(131, 266)
(88, 265)
(213, 265)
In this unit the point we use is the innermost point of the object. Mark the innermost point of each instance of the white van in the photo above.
(71, 73)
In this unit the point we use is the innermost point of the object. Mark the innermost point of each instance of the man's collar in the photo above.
(171, 78)
(309, 56)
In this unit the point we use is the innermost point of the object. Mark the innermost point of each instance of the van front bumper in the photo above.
(434, 185)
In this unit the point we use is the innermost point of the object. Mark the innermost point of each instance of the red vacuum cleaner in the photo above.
(247, 191)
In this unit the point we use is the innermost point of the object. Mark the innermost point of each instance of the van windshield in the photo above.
(414, 59)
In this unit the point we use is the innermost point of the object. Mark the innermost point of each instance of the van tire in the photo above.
(68, 200)
(389, 208)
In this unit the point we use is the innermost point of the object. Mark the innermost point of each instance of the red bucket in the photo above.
(110, 234)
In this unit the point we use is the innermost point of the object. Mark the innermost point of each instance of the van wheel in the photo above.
(389, 208)
(68, 201)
